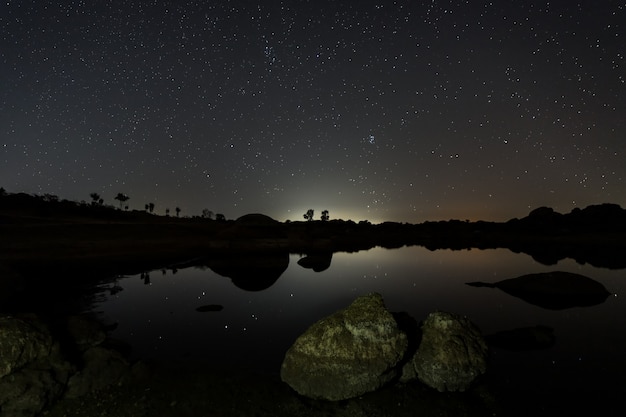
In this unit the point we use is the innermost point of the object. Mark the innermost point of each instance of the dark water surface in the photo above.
(582, 367)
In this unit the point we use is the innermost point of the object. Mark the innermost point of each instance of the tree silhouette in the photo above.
(220, 217)
(147, 206)
(95, 197)
(167, 212)
(151, 207)
(208, 214)
(308, 216)
(177, 211)
(325, 216)
(121, 197)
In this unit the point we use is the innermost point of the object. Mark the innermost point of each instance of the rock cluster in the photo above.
(40, 362)
(362, 348)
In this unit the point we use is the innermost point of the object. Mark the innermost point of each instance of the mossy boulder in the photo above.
(349, 353)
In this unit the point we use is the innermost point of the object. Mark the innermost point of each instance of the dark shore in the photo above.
(70, 238)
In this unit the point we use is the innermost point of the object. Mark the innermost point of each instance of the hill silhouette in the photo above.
(45, 232)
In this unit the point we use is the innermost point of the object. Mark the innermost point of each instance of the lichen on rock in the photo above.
(346, 354)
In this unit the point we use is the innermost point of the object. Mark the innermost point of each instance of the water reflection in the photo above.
(532, 349)
(318, 262)
(251, 272)
(554, 290)
(523, 338)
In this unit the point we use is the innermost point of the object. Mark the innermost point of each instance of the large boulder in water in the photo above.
(348, 353)
(451, 354)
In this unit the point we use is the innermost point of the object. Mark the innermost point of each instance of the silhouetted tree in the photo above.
(177, 211)
(167, 212)
(325, 216)
(308, 216)
(95, 197)
(208, 214)
(147, 206)
(220, 217)
(50, 198)
(151, 207)
(122, 198)
(2, 192)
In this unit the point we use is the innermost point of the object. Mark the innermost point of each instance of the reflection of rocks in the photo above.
(524, 338)
(318, 262)
(351, 352)
(552, 290)
(363, 347)
(451, 353)
(41, 362)
(251, 272)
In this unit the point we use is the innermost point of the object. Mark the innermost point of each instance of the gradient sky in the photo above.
(380, 110)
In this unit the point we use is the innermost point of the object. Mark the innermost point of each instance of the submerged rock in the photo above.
(210, 308)
(346, 354)
(451, 354)
(552, 290)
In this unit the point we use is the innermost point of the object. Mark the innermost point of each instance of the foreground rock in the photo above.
(451, 354)
(347, 354)
(40, 362)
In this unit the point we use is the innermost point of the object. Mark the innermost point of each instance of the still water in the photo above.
(156, 314)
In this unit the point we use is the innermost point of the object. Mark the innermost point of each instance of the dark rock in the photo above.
(451, 355)
(34, 372)
(101, 367)
(84, 331)
(21, 342)
(27, 392)
(346, 354)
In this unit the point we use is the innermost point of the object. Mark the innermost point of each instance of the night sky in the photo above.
(390, 110)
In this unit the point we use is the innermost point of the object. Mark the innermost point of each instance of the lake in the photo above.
(251, 328)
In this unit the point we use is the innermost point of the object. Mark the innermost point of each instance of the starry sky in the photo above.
(380, 110)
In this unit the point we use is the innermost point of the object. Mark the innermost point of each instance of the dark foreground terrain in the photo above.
(80, 245)
(179, 391)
